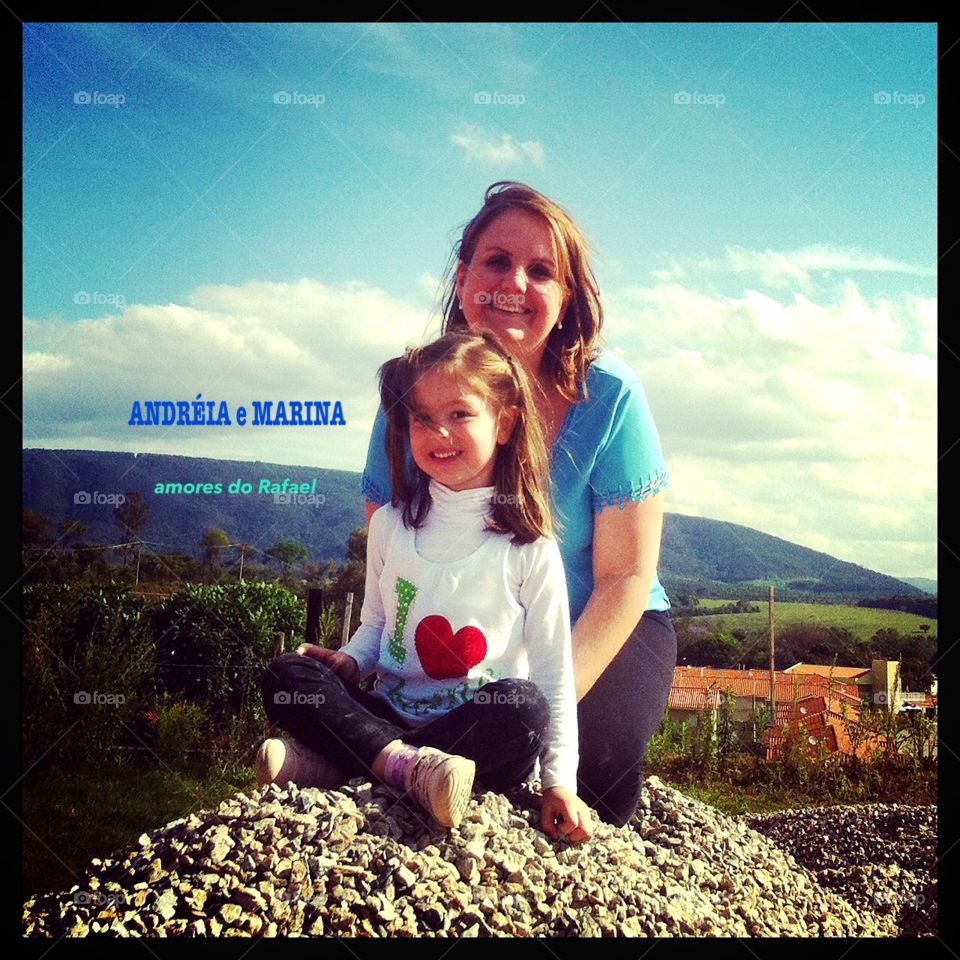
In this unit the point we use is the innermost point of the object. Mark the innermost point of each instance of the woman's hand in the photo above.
(563, 805)
(342, 664)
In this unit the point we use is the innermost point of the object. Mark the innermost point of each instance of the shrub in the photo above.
(181, 729)
(213, 643)
(196, 658)
(88, 664)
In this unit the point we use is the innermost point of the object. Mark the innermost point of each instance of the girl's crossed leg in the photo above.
(502, 731)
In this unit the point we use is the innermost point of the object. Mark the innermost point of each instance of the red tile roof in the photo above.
(824, 723)
(826, 670)
(692, 698)
(828, 708)
(756, 683)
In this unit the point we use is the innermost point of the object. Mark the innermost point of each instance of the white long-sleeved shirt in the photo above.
(453, 606)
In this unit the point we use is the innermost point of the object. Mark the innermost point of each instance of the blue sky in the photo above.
(761, 200)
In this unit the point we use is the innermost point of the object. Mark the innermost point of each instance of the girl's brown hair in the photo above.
(573, 342)
(520, 503)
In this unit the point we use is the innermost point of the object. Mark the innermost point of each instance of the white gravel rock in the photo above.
(360, 861)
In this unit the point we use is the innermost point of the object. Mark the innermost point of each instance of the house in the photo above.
(697, 687)
(878, 684)
(832, 722)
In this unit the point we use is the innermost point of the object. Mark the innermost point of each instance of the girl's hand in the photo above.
(563, 805)
(342, 664)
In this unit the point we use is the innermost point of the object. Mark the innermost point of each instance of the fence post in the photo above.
(279, 641)
(314, 607)
(348, 614)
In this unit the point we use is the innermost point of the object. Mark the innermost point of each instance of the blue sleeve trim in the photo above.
(371, 492)
(633, 494)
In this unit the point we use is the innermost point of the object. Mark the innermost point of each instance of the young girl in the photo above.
(465, 618)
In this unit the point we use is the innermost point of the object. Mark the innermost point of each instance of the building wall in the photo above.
(886, 687)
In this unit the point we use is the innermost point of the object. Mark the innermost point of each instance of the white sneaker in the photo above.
(441, 783)
(279, 761)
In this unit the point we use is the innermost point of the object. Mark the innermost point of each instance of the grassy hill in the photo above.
(714, 552)
(862, 621)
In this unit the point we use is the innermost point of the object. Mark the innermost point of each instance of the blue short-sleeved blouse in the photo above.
(607, 453)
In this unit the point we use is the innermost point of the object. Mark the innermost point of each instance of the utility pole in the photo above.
(773, 677)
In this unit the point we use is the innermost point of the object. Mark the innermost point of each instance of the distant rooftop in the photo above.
(752, 683)
(826, 670)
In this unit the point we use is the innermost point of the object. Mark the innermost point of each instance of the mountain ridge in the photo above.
(694, 551)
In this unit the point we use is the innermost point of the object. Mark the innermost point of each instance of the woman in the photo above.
(522, 272)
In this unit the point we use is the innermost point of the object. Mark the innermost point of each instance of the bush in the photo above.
(181, 729)
(88, 666)
(195, 658)
(213, 643)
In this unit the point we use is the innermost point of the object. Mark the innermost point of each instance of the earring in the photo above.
(560, 325)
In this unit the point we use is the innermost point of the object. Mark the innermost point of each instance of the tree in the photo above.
(357, 546)
(713, 650)
(68, 530)
(213, 543)
(285, 554)
(349, 577)
(35, 529)
(130, 517)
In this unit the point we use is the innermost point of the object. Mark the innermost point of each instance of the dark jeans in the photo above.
(620, 714)
(504, 735)
(616, 718)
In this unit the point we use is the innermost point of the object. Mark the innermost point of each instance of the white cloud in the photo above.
(789, 268)
(815, 422)
(258, 341)
(496, 149)
(812, 421)
(430, 285)
(44, 363)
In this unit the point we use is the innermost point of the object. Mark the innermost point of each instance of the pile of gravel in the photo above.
(880, 857)
(360, 862)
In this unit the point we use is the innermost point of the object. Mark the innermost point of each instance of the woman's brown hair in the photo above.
(573, 342)
(520, 504)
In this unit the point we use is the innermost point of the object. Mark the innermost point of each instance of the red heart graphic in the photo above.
(445, 654)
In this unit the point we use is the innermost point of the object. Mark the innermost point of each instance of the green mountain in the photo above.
(698, 555)
(57, 482)
(696, 549)
(922, 583)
